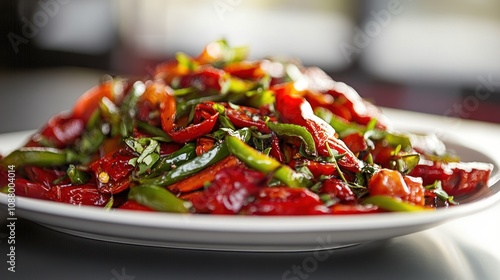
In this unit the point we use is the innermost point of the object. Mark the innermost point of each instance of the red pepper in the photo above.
(286, 201)
(248, 117)
(355, 142)
(61, 131)
(275, 149)
(112, 172)
(87, 194)
(205, 78)
(338, 189)
(133, 205)
(205, 119)
(46, 176)
(230, 191)
(249, 70)
(89, 101)
(346, 102)
(457, 178)
(31, 189)
(349, 209)
(296, 110)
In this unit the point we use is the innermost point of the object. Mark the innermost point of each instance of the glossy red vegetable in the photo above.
(295, 109)
(286, 201)
(456, 178)
(112, 172)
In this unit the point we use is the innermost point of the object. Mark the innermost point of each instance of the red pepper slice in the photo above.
(247, 117)
(133, 205)
(296, 110)
(457, 178)
(112, 172)
(205, 120)
(205, 78)
(61, 131)
(286, 201)
(87, 194)
(230, 191)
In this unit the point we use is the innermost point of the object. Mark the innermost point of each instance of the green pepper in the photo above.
(159, 199)
(266, 164)
(176, 158)
(195, 165)
(286, 129)
(127, 107)
(393, 204)
(189, 168)
(40, 156)
(77, 176)
(153, 131)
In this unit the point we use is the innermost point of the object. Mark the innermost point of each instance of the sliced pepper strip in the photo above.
(205, 114)
(197, 181)
(159, 199)
(286, 129)
(40, 156)
(296, 110)
(393, 204)
(260, 162)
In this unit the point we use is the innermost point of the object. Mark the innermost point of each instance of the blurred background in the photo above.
(438, 57)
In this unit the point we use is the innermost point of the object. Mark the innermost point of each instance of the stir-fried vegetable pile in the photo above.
(223, 135)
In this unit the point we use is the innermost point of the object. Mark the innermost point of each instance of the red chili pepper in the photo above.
(457, 178)
(31, 189)
(355, 142)
(87, 194)
(61, 130)
(205, 120)
(112, 172)
(46, 176)
(133, 205)
(346, 102)
(295, 109)
(89, 101)
(249, 70)
(204, 79)
(275, 149)
(349, 209)
(317, 168)
(230, 191)
(286, 201)
(338, 189)
(248, 117)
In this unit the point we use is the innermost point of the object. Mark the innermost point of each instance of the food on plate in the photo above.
(219, 134)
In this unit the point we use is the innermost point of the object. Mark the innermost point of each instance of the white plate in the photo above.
(241, 233)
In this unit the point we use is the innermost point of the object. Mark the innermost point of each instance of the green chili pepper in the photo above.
(77, 176)
(191, 167)
(176, 158)
(153, 131)
(159, 199)
(127, 107)
(266, 164)
(393, 204)
(195, 165)
(286, 129)
(40, 156)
